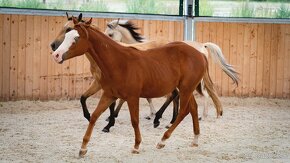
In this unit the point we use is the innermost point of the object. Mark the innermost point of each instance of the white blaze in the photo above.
(69, 39)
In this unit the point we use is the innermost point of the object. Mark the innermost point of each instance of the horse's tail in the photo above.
(216, 53)
(209, 86)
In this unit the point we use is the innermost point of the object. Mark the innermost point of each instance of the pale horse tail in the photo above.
(216, 53)
(209, 86)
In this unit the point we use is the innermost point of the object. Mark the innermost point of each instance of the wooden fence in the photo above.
(27, 69)
(260, 52)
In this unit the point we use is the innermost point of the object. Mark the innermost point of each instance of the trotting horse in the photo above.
(129, 74)
(124, 31)
(96, 73)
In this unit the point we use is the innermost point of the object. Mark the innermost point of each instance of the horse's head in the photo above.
(112, 30)
(75, 42)
(123, 31)
(67, 27)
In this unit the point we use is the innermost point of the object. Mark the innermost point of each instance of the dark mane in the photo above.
(131, 28)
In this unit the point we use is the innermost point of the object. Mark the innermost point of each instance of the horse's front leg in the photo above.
(95, 87)
(104, 103)
(133, 104)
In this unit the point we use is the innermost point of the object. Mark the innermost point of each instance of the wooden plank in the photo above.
(280, 60)
(198, 31)
(266, 60)
(51, 63)
(57, 67)
(212, 38)
(171, 31)
(253, 60)
(226, 51)
(1, 56)
(6, 56)
(14, 56)
(240, 56)
(65, 67)
(219, 42)
(260, 55)
(21, 58)
(165, 30)
(233, 55)
(36, 58)
(287, 75)
(146, 27)
(152, 30)
(273, 62)
(246, 60)
(44, 57)
(29, 56)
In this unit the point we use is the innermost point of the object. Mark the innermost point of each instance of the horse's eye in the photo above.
(68, 29)
(76, 39)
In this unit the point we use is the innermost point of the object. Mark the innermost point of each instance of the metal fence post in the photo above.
(188, 33)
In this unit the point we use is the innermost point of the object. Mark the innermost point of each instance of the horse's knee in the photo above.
(83, 99)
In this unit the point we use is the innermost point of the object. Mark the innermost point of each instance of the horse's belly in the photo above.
(157, 91)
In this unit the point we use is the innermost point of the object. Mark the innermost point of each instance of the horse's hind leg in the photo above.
(95, 87)
(152, 109)
(175, 110)
(192, 105)
(158, 115)
(104, 103)
(111, 118)
(116, 112)
(183, 111)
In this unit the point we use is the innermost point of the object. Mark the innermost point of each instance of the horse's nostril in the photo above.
(57, 56)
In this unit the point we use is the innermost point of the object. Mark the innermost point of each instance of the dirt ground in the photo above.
(252, 129)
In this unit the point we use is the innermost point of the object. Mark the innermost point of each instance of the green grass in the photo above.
(282, 12)
(245, 10)
(205, 8)
(31, 4)
(143, 6)
(99, 5)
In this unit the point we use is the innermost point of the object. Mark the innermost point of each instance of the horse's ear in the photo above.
(75, 21)
(67, 15)
(89, 22)
(80, 17)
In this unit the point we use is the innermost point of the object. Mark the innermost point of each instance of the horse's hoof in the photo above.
(106, 130)
(160, 145)
(82, 153)
(168, 126)
(194, 145)
(156, 124)
(135, 151)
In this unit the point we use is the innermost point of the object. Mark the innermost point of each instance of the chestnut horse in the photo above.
(129, 73)
(95, 86)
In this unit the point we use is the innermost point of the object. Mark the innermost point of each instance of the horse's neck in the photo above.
(126, 36)
(105, 52)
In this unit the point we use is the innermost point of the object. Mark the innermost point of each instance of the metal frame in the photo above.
(189, 20)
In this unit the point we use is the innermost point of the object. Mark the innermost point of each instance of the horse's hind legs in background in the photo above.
(103, 104)
(95, 87)
(175, 110)
(111, 118)
(160, 112)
